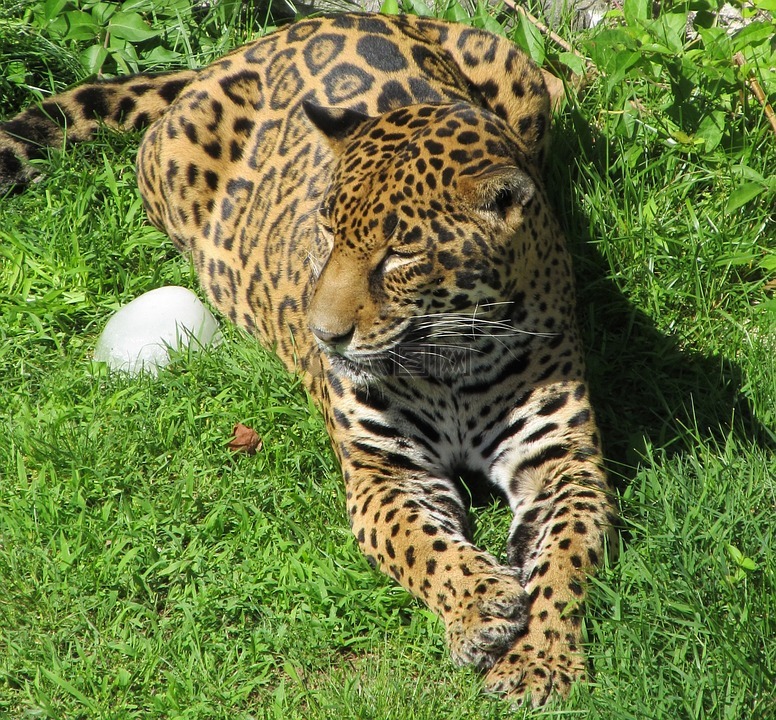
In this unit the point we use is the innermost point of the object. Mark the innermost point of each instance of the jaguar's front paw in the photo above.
(490, 617)
(532, 673)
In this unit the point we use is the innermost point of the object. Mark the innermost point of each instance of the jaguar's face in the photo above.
(425, 218)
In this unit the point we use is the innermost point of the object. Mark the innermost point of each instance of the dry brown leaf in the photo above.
(245, 439)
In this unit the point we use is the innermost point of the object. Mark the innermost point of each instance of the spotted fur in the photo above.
(363, 193)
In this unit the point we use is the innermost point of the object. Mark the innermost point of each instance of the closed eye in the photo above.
(324, 222)
(394, 259)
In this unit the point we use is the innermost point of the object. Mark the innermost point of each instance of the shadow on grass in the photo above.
(646, 388)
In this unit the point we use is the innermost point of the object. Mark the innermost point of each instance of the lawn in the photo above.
(149, 572)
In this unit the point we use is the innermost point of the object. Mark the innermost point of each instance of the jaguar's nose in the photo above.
(334, 338)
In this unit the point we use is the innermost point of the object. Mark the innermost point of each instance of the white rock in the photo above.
(139, 335)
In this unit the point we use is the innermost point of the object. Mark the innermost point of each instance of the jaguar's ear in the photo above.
(500, 190)
(336, 124)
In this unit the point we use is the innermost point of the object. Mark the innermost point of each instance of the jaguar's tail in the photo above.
(134, 102)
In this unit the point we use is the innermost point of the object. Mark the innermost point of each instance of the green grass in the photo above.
(148, 572)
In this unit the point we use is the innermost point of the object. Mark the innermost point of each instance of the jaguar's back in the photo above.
(363, 193)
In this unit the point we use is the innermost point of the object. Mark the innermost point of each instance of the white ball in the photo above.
(139, 335)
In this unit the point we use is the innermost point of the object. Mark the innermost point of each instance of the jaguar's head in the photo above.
(432, 217)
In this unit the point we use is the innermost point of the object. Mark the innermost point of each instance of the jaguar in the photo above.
(364, 194)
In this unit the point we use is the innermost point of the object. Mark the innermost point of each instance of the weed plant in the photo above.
(147, 572)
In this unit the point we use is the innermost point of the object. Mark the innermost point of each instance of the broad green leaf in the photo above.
(130, 27)
(744, 562)
(627, 125)
(743, 194)
(418, 7)
(752, 35)
(607, 44)
(716, 43)
(711, 129)
(483, 18)
(636, 10)
(530, 39)
(573, 62)
(57, 28)
(620, 66)
(52, 9)
(161, 56)
(748, 173)
(683, 138)
(390, 7)
(103, 11)
(123, 677)
(16, 72)
(669, 30)
(93, 58)
(124, 55)
(735, 554)
(456, 13)
(80, 26)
